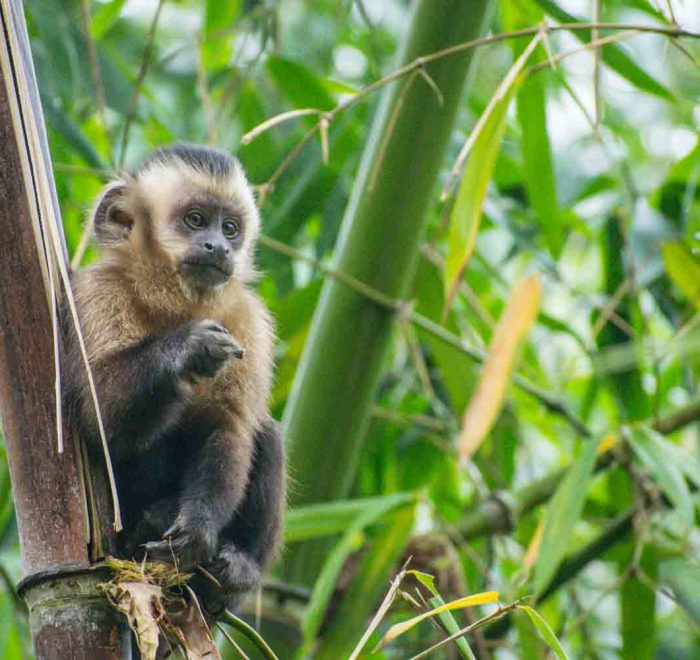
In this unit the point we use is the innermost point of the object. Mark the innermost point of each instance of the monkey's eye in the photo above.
(231, 229)
(195, 219)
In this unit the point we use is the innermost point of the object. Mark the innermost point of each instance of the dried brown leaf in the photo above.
(142, 604)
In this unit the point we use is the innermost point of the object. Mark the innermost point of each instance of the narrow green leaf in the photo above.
(613, 56)
(350, 541)
(685, 461)
(250, 633)
(105, 17)
(531, 106)
(428, 581)
(682, 575)
(327, 519)
(563, 514)
(375, 571)
(544, 630)
(451, 626)
(465, 218)
(73, 134)
(481, 151)
(684, 270)
(652, 453)
(529, 645)
(11, 643)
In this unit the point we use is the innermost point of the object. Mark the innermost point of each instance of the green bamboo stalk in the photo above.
(327, 415)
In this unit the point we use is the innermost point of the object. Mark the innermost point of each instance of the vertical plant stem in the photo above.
(331, 401)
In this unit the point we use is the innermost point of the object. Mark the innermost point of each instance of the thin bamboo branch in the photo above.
(96, 73)
(551, 402)
(136, 92)
(418, 65)
(489, 618)
(420, 62)
(597, 70)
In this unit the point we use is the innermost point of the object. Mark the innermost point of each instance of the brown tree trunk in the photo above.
(67, 620)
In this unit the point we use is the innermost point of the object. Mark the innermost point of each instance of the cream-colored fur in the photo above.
(134, 290)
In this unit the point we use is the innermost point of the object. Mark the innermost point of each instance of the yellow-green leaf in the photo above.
(481, 151)
(684, 270)
(514, 324)
(468, 601)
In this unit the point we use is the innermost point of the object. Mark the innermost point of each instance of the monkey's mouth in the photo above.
(206, 272)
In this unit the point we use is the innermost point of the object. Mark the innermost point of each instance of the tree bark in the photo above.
(67, 619)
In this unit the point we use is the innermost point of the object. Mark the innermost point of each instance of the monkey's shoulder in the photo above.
(108, 319)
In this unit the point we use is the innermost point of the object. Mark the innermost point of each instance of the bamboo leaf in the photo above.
(638, 605)
(451, 626)
(531, 104)
(427, 580)
(683, 577)
(544, 630)
(514, 324)
(468, 601)
(448, 621)
(105, 18)
(613, 56)
(350, 541)
(684, 461)
(300, 84)
(684, 270)
(652, 453)
(376, 567)
(219, 18)
(563, 514)
(465, 218)
(531, 107)
(321, 520)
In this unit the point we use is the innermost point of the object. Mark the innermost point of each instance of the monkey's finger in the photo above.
(236, 349)
(161, 550)
(227, 346)
(214, 326)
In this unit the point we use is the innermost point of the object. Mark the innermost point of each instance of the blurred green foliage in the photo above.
(607, 212)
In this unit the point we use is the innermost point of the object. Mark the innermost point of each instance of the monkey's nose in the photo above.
(216, 248)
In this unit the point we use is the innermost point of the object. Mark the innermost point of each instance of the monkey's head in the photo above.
(187, 209)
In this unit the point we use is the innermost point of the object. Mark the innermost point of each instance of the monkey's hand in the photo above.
(189, 542)
(208, 347)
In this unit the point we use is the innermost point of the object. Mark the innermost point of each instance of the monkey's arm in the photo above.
(142, 388)
(257, 526)
(252, 540)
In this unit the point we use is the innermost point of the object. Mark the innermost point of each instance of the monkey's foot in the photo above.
(186, 543)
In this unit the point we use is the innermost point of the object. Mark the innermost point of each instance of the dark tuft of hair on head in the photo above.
(213, 162)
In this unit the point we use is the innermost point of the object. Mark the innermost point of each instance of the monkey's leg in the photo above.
(213, 486)
(251, 540)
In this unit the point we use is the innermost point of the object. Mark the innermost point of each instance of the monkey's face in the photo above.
(201, 225)
(213, 233)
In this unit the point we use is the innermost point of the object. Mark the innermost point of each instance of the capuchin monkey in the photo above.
(180, 348)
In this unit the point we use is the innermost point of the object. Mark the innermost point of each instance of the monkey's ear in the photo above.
(112, 221)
